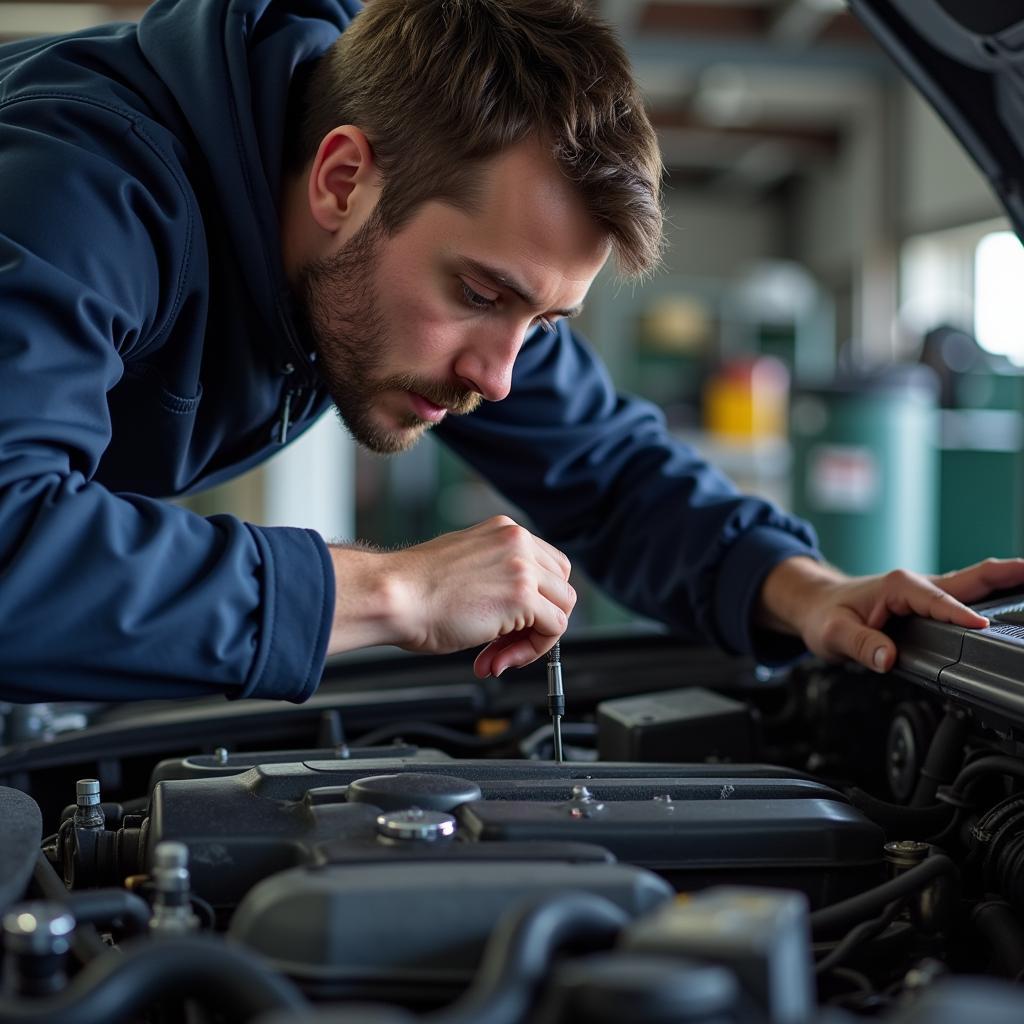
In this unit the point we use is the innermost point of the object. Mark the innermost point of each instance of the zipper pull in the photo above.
(286, 412)
(286, 409)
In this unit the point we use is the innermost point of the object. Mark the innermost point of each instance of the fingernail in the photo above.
(879, 658)
(497, 675)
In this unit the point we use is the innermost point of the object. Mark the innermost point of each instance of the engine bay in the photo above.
(721, 844)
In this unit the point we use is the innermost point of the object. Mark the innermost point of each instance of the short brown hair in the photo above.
(440, 85)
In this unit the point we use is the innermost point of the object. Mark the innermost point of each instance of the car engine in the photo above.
(721, 843)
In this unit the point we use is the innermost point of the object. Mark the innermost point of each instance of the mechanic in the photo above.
(219, 222)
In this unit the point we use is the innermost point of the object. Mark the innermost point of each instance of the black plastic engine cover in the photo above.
(694, 824)
(822, 847)
(381, 930)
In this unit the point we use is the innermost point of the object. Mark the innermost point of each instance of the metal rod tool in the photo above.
(556, 697)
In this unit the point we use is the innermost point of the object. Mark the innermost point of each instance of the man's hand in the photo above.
(841, 617)
(493, 584)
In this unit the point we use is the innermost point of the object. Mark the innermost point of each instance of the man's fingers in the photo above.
(906, 593)
(558, 591)
(934, 603)
(553, 559)
(483, 664)
(513, 651)
(978, 581)
(847, 636)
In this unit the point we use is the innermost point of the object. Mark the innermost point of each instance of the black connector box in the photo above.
(691, 724)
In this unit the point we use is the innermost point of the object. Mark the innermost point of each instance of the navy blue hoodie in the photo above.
(147, 350)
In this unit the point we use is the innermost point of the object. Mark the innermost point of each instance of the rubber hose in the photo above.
(843, 915)
(86, 943)
(1003, 932)
(902, 821)
(996, 765)
(115, 987)
(520, 951)
(945, 755)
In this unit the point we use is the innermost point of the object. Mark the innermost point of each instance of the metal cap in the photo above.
(170, 867)
(416, 824)
(906, 853)
(87, 792)
(40, 927)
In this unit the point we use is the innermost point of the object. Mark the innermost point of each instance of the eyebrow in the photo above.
(501, 278)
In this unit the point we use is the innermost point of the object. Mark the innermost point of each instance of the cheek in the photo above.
(426, 331)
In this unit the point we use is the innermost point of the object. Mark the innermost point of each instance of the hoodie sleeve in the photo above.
(107, 596)
(649, 520)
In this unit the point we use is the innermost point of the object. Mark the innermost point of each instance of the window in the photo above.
(998, 282)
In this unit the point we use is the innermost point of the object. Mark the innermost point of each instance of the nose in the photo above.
(486, 364)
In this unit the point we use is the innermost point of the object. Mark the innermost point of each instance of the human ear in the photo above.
(343, 185)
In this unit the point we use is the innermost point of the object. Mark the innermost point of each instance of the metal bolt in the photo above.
(170, 867)
(172, 908)
(583, 804)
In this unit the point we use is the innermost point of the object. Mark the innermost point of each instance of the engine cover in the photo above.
(694, 825)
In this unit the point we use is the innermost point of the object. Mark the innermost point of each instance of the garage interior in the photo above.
(819, 215)
(837, 326)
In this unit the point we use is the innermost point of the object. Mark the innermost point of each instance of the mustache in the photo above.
(455, 399)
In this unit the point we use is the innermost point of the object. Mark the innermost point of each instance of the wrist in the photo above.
(368, 600)
(791, 591)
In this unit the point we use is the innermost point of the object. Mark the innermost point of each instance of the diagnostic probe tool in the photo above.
(556, 697)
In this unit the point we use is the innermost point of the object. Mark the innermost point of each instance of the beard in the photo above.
(338, 310)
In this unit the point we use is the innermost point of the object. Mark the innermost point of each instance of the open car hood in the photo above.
(967, 59)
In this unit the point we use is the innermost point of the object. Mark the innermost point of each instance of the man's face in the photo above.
(411, 327)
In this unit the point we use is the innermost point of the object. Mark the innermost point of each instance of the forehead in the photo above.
(529, 219)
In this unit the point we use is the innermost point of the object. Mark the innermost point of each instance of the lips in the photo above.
(425, 409)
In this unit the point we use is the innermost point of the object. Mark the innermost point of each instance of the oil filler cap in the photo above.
(416, 824)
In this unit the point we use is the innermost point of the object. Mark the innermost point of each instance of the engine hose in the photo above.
(86, 943)
(841, 916)
(857, 936)
(899, 820)
(520, 951)
(116, 988)
(945, 755)
(996, 765)
(1008, 870)
(1002, 931)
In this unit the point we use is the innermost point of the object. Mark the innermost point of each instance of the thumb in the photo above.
(849, 637)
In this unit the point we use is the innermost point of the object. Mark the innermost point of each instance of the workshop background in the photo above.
(834, 325)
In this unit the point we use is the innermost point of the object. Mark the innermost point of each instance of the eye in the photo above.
(475, 299)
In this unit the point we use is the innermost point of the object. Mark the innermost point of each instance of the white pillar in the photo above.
(311, 483)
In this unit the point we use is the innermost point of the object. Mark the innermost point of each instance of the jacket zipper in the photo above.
(285, 419)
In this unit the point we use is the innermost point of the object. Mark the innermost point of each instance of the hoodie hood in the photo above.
(229, 66)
